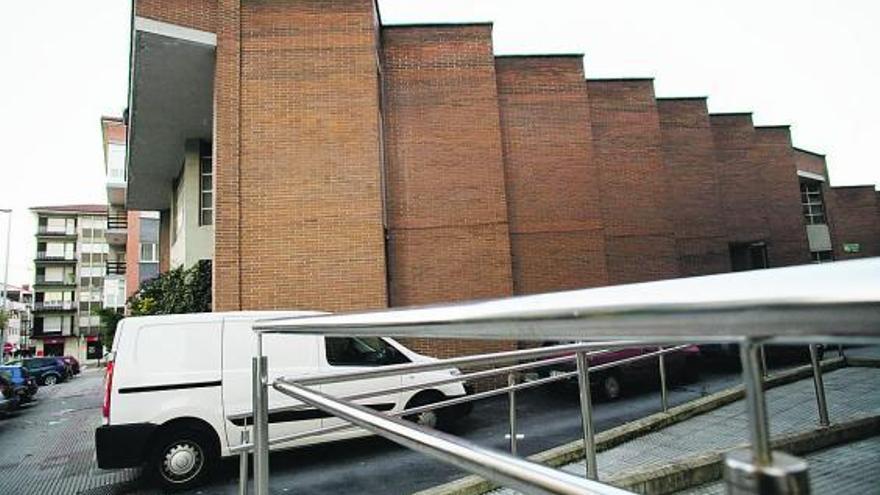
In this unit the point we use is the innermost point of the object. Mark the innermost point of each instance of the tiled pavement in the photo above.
(848, 469)
(851, 393)
(49, 449)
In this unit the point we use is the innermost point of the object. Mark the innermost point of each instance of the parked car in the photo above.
(73, 363)
(25, 385)
(45, 370)
(611, 383)
(178, 390)
(9, 399)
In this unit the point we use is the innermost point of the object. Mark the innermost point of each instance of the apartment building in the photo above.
(324, 160)
(71, 265)
(132, 236)
(16, 335)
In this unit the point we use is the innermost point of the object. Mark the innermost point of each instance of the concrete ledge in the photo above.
(708, 467)
(863, 362)
(574, 451)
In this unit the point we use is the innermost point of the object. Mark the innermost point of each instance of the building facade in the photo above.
(133, 236)
(16, 335)
(71, 266)
(326, 161)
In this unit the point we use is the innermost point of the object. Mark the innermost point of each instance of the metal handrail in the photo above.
(453, 401)
(476, 360)
(777, 305)
(522, 475)
(751, 309)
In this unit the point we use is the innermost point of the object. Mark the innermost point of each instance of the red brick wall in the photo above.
(640, 245)
(854, 217)
(811, 162)
(196, 14)
(447, 213)
(557, 240)
(740, 177)
(164, 241)
(227, 163)
(782, 204)
(133, 253)
(691, 175)
(307, 184)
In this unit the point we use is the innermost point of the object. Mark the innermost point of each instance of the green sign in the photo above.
(852, 248)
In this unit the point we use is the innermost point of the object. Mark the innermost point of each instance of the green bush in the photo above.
(176, 291)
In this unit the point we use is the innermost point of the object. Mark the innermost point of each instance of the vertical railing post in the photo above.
(243, 463)
(664, 398)
(755, 469)
(755, 402)
(819, 385)
(764, 371)
(511, 395)
(261, 421)
(587, 415)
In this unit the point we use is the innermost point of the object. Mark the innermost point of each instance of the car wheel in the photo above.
(183, 458)
(50, 380)
(430, 419)
(610, 386)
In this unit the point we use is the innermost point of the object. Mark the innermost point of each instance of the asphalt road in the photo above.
(47, 447)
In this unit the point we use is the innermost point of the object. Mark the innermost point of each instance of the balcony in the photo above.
(115, 268)
(45, 231)
(116, 186)
(117, 229)
(54, 306)
(41, 280)
(43, 256)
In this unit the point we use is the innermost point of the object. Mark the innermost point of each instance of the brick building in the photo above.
(326, 161)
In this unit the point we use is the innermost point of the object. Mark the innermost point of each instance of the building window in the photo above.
(206, 186)
(149, 252)
(822, 256)
(811, 201)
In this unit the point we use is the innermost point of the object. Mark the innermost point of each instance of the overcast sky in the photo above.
(812, 64)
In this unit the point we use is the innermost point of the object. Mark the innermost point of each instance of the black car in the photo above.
(46, 370)
(24, 384)
(9, 399)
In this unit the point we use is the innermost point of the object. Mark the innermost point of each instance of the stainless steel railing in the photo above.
(751, 309)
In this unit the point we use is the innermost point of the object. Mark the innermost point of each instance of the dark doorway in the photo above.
(748, 256)
(53, 349)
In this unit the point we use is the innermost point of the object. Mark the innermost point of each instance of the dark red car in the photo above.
(611, 381)
(72, 363)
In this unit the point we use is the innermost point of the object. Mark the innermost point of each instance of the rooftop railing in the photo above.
(810, 305)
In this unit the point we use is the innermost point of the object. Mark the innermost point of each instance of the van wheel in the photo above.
(183, 458)
(431, 419)
(50, 380)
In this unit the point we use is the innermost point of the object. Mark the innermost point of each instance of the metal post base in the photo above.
(785, 475)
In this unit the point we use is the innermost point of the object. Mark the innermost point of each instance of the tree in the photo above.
(110, 318)
(174, 292)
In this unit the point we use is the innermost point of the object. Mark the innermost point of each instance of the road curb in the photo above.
(694, 471)
(574, 451)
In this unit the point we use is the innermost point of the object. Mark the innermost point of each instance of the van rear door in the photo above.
(288, 355)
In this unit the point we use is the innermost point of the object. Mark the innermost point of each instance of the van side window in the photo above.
(361, 351)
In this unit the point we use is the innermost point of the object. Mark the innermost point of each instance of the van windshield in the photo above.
(361, 351)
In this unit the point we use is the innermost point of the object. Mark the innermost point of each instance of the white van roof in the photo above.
(203, 317)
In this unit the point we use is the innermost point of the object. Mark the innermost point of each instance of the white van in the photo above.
(178, 390)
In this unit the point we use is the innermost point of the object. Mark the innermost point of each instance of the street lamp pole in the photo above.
(5, 282)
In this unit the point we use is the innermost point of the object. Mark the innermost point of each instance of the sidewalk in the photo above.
(845, 469)
(852, 393)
